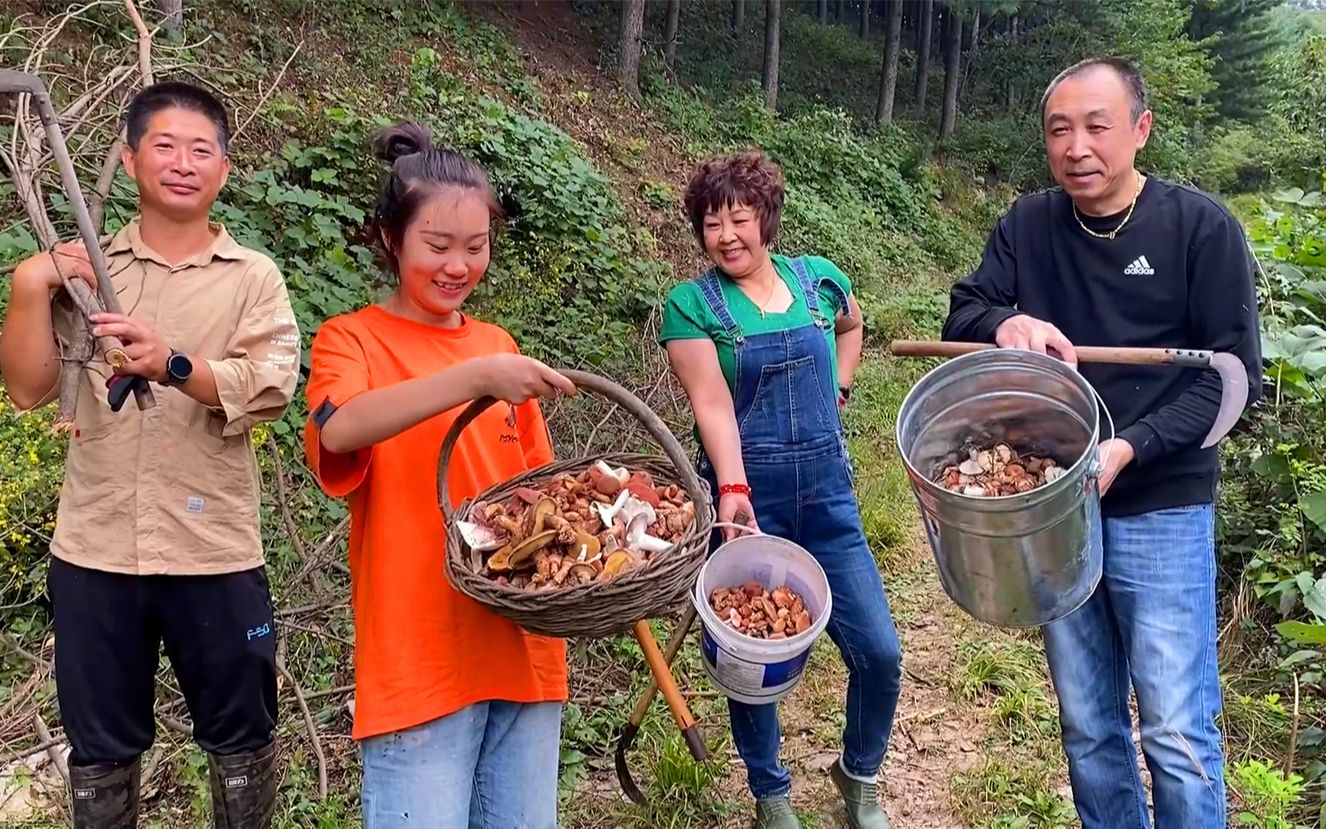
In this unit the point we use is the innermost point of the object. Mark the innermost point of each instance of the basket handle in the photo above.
(604, 388)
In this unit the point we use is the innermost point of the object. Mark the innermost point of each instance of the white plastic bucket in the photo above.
(746, 669)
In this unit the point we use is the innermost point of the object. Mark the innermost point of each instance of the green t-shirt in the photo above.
(687, 316)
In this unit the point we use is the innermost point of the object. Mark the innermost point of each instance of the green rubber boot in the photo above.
(775, 813)
(860, 799)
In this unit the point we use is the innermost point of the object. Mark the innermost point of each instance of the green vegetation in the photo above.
(591, 182)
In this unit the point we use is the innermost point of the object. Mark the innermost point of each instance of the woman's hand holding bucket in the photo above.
(734, 508)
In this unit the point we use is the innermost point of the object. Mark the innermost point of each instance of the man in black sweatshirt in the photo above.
(1112, 257)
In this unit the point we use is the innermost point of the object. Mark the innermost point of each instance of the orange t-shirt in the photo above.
(423, 650)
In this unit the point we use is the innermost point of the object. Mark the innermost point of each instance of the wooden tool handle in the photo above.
(674, 644)
(1085, 354)
(681, 714)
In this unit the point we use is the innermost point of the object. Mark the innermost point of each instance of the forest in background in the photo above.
(904, 128)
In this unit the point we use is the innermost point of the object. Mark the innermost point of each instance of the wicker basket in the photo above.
(595, 609)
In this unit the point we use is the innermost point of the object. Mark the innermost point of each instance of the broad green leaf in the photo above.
(1314, 599)
(1298, 657)
(1314, 509)
(1303, 632)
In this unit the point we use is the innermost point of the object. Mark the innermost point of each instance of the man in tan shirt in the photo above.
(157, 535)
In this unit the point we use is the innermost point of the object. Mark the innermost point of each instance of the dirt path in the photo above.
(932, 736)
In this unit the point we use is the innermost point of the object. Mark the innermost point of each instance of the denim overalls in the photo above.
(795, 454)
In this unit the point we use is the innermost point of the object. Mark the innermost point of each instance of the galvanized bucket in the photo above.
(1019, 560)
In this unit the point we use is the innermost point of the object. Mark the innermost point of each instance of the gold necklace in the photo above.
(1126, 217)
(759, 306)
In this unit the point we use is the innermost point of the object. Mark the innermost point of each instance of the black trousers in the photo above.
(218, 634)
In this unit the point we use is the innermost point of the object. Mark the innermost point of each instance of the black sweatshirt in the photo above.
(1178, 275)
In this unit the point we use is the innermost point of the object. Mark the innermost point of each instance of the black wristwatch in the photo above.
(178, 369)
(846, 392)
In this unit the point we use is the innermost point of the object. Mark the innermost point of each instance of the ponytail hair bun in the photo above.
(400, 140)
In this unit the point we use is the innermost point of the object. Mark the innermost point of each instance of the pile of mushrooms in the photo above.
(576, 529)
(998, 471)
(759, 613)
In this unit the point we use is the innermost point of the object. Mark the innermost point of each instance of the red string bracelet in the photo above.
(738, 489)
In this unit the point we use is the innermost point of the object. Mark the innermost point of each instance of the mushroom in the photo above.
(581, 573)
(528, 495)
(480, 539)
(500, 560)
(635, 508)
(607, 480)
(530, 546)
(535, 517)
(619, 562)
(970, 467)
(644, 492)
(638, 539)
(566, 534)
(609, 512)
(586, 547)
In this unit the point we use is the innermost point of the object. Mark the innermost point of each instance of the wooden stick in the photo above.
(681, 713)
(44, 745)
(309, 724)
(44, 734)
(144, 42)
(1085, 353)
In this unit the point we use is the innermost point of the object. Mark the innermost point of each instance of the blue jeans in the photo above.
(1152, 621)
(491, 765)
(808, 499)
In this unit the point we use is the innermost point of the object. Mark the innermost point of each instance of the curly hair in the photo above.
(747, 178)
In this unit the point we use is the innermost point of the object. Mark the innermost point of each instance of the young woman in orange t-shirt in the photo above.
(458, 711)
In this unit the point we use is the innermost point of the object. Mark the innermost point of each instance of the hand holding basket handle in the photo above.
(515, 378)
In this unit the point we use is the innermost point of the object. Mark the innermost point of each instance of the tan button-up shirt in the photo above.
(174, 489)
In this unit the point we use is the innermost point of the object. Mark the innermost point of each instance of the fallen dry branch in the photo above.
(262, 99)
(24, 753)
(309, 724)
(57, 756)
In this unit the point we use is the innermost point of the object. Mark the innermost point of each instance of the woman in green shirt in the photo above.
(766, 348)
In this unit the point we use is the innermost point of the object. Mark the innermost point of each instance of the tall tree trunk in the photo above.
(772, 9)
(628, 45)
(824, 11)
(174, 12)
(670, 35)
(952, 66)
(738, 14)
(888, 84)
(839, 10)
(925, 20)
(972, 52)
(863, 28)
(1013, 32)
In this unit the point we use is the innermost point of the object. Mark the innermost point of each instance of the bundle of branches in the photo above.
(80, 129)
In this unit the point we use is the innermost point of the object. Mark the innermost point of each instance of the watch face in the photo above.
(179, 367)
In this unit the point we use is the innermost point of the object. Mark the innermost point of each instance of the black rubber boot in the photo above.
(104, 795)
(244, 789)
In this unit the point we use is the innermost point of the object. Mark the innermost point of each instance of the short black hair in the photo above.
(166, 94)
(1127, 72)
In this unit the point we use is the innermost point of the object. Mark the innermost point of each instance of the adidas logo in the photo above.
(1140, 267)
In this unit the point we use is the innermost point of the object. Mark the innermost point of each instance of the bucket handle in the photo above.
(1099, 466)
(743, 527)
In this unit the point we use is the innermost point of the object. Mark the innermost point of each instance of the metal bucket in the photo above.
(1019, 560)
